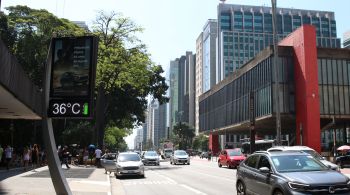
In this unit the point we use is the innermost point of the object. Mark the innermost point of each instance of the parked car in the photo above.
(204, 155)
(150, 158)
(231, 158)
(129, 163)
(307, 150)
(179, 157)
(108, 161)
(288, 172)
(343, 161)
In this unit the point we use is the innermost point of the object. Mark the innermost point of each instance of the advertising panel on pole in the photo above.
(73, 70)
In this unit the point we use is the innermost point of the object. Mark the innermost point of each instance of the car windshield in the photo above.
(128, 157)
(234, 153)
(180, 153)
(314, 154)
(297, 163)
(150, 154)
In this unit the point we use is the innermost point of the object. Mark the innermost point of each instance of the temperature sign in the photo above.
(69, 109)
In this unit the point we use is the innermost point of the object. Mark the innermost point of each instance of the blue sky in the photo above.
(171, 26)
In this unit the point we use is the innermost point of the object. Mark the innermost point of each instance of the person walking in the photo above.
(26, 157)
(65, 155)
(98, 153)
(35, 156)
(8, 156)
(85, 156)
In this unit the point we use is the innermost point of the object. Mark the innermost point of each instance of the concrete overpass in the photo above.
(19, 97)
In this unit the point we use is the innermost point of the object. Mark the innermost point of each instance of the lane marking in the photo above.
(109, 181)
(192, 189)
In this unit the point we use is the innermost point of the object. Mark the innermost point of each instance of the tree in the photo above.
(200, 142)
(125, 74)
(185, 134)
(27, 33)
(114, 138)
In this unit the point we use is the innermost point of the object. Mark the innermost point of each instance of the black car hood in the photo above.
(316, 177)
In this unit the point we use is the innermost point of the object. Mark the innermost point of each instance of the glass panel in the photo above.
(324, 72)
(325, 97)
(345, 73)
(319, 67)
(336, 99)
(329, 72)
(331, 99)
(321, 99)
(347, 100)
(334, 70)
(341, 100)
(340, 74)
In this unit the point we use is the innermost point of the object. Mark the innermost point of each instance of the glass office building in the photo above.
(243, 31)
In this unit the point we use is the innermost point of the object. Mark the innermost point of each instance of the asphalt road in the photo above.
(201, 177)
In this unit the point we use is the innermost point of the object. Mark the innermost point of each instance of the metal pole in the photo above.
(276, 76)
(58, 179)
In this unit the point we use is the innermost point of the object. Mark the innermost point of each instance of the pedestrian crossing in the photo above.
(131, 183)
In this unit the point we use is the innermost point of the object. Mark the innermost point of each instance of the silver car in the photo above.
(129, 163)
(150, 158)
(179, 157)
(308, 150)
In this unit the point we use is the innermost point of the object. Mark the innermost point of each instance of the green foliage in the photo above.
(78, 132)
(200, 142)
(185, 135)
(28, 32)
(114, 138)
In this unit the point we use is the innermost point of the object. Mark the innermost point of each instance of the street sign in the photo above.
(73, 70)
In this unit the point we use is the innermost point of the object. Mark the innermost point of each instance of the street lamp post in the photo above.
(276, 72)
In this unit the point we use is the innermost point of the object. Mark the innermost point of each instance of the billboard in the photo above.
(73, 70)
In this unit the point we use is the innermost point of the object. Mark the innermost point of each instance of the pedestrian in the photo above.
(85, 156)
(1, 152)
(65, 155)
(8, 156)
(35, 156)
(98, 153)
(26, 157)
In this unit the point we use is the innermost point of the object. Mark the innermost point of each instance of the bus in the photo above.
(261, 145)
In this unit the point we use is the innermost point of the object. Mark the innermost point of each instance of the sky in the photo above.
(171, 27)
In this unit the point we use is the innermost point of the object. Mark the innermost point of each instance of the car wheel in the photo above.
(219, 164)
(278, 192)
(229, 166)
(240, 188)
(188, 163)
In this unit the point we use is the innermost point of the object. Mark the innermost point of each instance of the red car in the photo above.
(231, 158)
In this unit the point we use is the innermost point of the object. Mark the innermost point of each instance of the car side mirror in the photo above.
(264, 170)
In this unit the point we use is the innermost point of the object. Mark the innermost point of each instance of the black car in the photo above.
(343, 161)
(288, 173)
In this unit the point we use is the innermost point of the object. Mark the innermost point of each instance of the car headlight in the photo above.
(298, 186)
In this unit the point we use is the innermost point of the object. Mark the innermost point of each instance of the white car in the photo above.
(179, 157)
(306, 150)
(150, 158)
(129, 163)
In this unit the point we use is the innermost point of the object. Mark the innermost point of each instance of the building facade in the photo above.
(156, 124)
(199, 77)
(243, 31)
(346, 39)
(182, 90)
(314, 101)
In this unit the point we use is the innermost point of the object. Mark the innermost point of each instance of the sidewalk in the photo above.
(81, 180)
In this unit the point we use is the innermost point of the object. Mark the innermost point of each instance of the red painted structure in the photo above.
(214, 143)
(307, 100)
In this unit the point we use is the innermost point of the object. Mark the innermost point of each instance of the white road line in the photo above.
(109, 181)
(102, 183)
(192, 189)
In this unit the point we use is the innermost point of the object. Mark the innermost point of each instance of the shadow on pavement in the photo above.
(6, 174)
(69, 173)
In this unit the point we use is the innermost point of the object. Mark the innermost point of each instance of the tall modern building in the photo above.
(182, 90)
(156, 123)
(144, 133)
(244, 30)
(138, 139)
(205, 63)
(346, 39)
(199, 77)
(174, 93)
